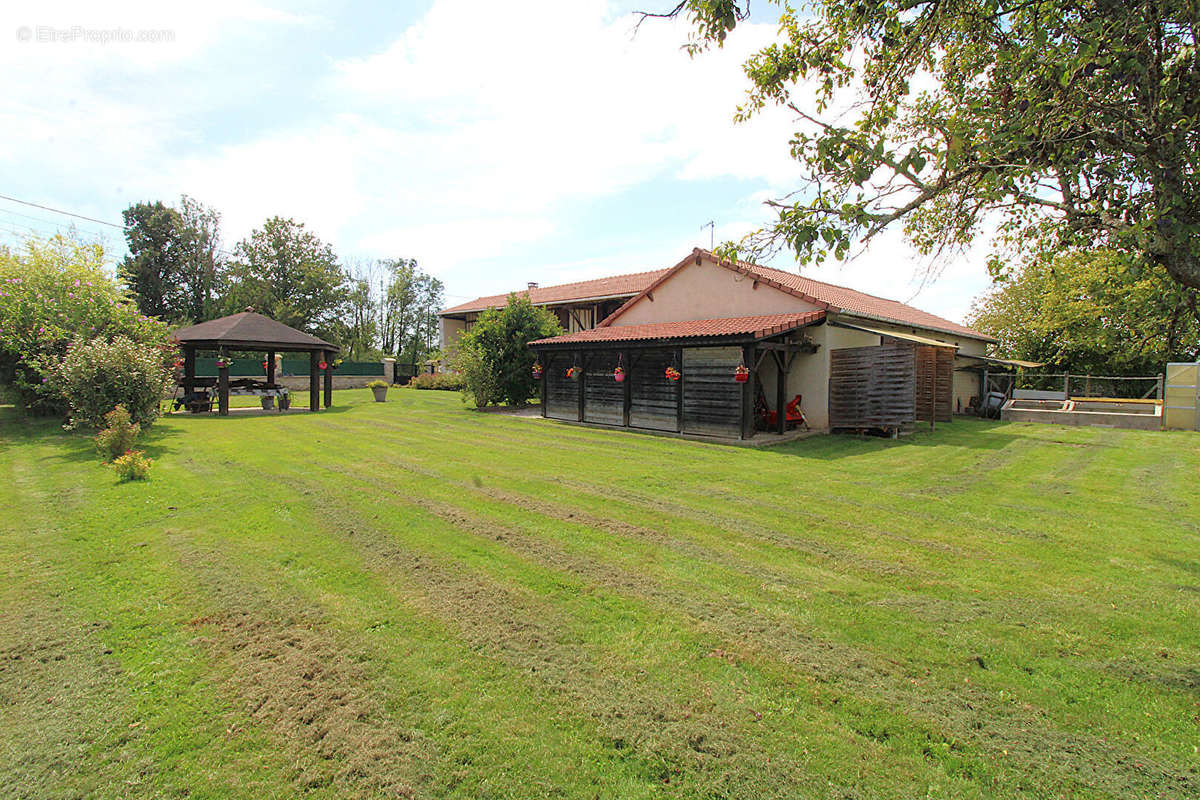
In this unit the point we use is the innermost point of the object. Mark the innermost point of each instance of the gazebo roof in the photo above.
(249, 330)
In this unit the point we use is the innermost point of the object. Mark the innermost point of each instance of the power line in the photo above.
(60, 211)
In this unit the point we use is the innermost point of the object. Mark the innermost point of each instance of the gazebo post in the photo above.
(314, 382)
(270, 368)
(327, 357)
(223, 385)
(189, 369)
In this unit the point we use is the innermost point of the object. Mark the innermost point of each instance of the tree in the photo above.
(934, 116)
(200, 265)
(153, 270)
(290, 275)
(410, 300)
(172, 263)
(494, 355)
(1093, 312)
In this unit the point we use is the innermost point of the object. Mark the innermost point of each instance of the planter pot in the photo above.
(268, 402)
(741, 377)
(619, 377)
(380, 394)
(285, 402)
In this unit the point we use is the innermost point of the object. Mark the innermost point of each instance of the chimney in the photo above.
(533, 284)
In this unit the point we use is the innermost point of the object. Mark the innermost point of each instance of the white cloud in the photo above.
(474, 136)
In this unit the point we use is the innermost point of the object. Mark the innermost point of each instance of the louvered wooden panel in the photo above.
(872, 387)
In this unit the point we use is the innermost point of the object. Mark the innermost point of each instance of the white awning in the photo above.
(1007, 362)
(908, 337)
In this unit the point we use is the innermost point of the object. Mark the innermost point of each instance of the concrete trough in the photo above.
(1142, 415)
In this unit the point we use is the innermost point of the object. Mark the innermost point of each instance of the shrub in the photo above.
(447, 381)
(480, 383)
(98, 375)
(54, 292)
(119, 436)
(132, 466)
(494, 356)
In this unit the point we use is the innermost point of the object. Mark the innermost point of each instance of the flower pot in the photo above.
(285, 402)
(741, 377)
(268, 402)
(380, 393)
(619, 376)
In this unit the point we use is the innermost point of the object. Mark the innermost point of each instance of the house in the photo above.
(856, 360)
(579, 306)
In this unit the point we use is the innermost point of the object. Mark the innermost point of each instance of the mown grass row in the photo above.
(414, 599)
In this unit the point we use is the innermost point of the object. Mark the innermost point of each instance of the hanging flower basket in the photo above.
(574, 372)
(673, 374)
(741, 374)
(224, 363)
(264, 363)
(322, 365)
(619, 374)
(537, 371)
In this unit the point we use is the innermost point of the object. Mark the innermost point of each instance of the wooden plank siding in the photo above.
(603, 397)
(712, 399)
(562, 393)
(872, 387)
(653, 400)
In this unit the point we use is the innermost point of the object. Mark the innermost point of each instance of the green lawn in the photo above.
(415, 600)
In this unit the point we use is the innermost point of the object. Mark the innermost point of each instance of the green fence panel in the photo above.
(207, 367)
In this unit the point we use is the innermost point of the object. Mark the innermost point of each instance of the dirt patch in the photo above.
(312, 691)
(60, 697)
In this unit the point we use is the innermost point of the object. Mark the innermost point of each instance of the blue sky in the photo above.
(497, 143)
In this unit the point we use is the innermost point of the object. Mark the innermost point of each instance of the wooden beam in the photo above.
(780, 394)
(679, 390)
(314, 382)
(189, 369)
(582, 362)
(327, 357)
(270, 367)
(545, 362)
(223, 386)
(748, 357)
(627, 392)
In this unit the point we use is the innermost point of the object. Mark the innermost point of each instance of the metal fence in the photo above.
(1125, 387)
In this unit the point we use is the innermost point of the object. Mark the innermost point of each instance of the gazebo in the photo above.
(249, 330)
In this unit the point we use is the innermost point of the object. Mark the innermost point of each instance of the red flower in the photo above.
(322, 365)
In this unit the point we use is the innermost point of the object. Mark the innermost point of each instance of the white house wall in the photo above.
(709, 291)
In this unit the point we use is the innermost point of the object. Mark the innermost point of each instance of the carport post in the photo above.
(780, 395)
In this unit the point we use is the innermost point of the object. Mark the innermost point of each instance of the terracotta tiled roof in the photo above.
(617, 286)
(755, 327)
(833, 297)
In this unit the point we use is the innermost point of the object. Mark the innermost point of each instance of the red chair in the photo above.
(793, 416)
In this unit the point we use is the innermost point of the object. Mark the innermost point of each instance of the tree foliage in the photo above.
(172, 263)
(1092, 312)
(934, 116)
(55, 292)
(494, 356)
(287, 273)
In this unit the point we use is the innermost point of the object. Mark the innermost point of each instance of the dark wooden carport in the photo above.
(249, 330)
(706, 401)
